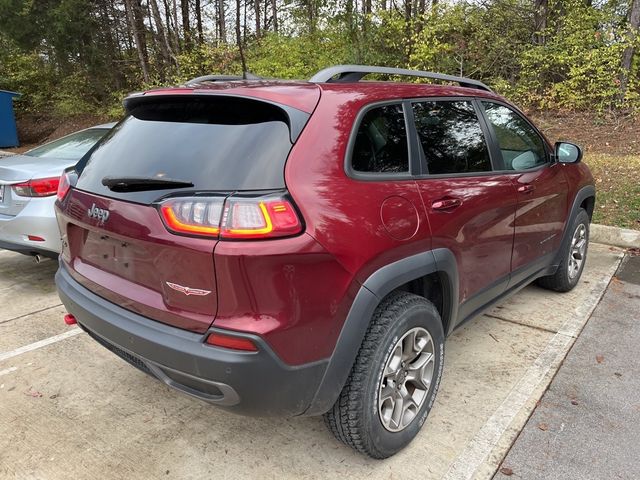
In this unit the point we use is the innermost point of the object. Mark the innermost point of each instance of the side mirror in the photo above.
(568, 152)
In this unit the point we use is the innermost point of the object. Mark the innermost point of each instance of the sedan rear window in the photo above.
(71, 147)
(221, 143)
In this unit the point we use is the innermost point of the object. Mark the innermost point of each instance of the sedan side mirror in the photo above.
(568, 152)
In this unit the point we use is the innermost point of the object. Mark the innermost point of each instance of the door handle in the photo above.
(446, 204)
(526, 188)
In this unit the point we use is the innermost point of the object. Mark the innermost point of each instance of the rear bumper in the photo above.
(251, 383)
(36, 218)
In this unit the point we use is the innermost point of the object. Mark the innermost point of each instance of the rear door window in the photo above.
(381, 141)
(451, 137)
(222, 143)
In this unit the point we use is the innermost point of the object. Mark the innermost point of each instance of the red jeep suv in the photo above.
(304, 248)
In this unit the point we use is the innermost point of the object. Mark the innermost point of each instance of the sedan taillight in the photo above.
(233, 218)
(63, 186)
(42, 187)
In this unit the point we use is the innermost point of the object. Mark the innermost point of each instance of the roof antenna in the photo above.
(239, 40)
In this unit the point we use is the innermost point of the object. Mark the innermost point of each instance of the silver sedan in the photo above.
(28, 186)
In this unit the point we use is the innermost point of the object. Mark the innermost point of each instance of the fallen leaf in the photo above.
(618, 374)
(506, 471)
(574, 402)
(543, 426)
(599, 358)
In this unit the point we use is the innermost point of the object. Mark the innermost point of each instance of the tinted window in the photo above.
(521, 146)
(381, 142)
(217, 144)
(451, 137)
(71, 147)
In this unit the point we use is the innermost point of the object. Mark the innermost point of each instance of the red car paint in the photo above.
(295, 292)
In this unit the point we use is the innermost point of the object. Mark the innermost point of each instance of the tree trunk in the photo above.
(186, 28)
(163, 38)
(628, 54)
(176, 30)
(256, 8)
(136, 24)
(239, 39)
(407, 10)
(199, 22)
(222, 23)
(311, 15)
(274, 13)
(244, 22)
(540, 18)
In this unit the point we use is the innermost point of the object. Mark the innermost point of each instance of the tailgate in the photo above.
(129, 258)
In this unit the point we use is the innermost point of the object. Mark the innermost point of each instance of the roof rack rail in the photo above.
(355, 73)
(222, 78)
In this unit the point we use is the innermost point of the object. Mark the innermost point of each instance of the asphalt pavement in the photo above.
(587, 425)
(70, 409)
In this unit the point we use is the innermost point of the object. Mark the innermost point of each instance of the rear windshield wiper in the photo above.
(140, 184)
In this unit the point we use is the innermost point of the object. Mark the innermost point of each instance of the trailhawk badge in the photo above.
(98, 213)
(188, 291)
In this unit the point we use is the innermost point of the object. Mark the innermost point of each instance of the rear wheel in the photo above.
(574, 255)
(394, 380)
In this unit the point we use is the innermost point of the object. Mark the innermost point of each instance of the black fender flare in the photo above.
(584, 193)
(373, 290)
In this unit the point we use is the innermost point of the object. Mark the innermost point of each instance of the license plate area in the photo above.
(110, 254)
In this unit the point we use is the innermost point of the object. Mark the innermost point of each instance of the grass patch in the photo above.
(617, 189)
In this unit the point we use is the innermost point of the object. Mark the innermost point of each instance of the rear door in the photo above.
(114, 240)
(541, 186)
(471, 208)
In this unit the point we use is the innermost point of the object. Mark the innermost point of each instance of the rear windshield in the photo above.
(221, 143)
(71, 147)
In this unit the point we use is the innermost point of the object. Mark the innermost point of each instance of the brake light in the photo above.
(193, 215)
(43, 187)
(268, 218)
(235, 218)
(63, 186)
(234, 343)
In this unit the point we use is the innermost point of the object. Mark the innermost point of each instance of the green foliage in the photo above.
(579, 65)
(276, 56)
(74, 56)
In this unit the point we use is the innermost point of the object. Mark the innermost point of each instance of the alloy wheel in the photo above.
(578, 250)
(406, 379)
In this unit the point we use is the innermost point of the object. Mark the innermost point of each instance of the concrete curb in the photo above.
(619, 237)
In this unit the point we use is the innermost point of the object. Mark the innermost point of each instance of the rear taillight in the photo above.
(43, 187)
(63, 186)
(259, 218)
(233, 218)
(193, 215)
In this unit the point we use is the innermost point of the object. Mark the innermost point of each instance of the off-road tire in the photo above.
(561, 281)
(354, 419)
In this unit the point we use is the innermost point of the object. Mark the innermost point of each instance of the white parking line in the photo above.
(42, 343)
(480, 447)
(7, 371)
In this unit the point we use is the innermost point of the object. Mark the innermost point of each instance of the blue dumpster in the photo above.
(8, 130)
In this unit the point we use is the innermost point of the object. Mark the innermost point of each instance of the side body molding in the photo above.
(375, 288)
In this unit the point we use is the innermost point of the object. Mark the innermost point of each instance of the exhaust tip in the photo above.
(37, 258)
